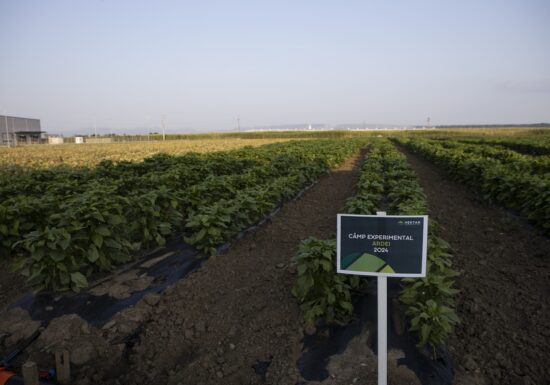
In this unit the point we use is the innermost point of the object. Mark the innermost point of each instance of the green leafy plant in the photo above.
(433, 322)
(321, 292)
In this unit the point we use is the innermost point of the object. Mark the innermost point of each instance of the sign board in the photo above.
(388, 245)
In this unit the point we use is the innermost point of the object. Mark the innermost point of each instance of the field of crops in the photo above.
(518, 179)
(63, 225)
(88, 155)
(386, 183)
(72, 214)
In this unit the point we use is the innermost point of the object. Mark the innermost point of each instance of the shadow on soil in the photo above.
(333, 340)
(181, 259)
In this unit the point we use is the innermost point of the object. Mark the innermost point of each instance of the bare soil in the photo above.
(235, 321)
(504, 303)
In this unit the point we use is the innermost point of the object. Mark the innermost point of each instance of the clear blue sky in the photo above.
(125, 63)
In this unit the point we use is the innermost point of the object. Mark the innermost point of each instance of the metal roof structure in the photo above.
(16, 130)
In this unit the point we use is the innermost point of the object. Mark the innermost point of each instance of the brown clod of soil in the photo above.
(16, 326)
(504, 303)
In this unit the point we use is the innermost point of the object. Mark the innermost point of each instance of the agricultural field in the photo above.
(88, 155)
(63, 225)
(517, 179)
(247, 228)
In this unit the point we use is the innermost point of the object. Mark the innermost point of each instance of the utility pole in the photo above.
(163, 127)
(428, 122)
(238, 123)
(95, 128)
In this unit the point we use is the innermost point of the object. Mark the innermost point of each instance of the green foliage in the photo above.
(387, 183)
(538, 145)
(322, 292)
(219, 209)
(62, 225)
(430, 300)
(211, 225)
(518, 181)
(433, 321)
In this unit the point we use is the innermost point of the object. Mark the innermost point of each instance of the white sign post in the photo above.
(383, 246)
(382, 330)
(382, 315)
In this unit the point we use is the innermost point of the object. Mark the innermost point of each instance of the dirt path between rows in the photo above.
(235, 321)
(504, 302)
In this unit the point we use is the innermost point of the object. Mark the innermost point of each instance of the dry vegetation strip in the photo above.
(86, 155)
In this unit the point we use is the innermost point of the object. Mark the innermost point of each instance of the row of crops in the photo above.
(517, 180)
(539, 145)
(63, 225)
(386, 183)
